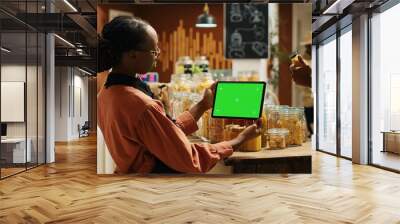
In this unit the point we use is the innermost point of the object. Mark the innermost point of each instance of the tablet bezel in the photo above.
(236, 82)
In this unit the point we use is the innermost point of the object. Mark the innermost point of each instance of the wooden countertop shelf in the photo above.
(289, 160)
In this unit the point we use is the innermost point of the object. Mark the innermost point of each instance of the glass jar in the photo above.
(235, 131)
(289, 119)
(303, 120)
(203, 81)
(200, 65)
(206, 124)
(216, 133)
(277, 138)
(194, 99)
(180, 64)
(228, 131)
(176, 105)
(243, 76)
(252, 145)
(264, 128)
(254, 76)
(186, 101)
(273, 117)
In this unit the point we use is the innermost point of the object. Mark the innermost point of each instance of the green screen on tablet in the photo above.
(238, 100)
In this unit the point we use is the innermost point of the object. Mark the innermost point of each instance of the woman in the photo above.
(138, 134)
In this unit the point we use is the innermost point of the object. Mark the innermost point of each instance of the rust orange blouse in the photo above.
(136, 130)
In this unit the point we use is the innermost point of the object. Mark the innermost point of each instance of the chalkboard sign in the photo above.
(246, 30)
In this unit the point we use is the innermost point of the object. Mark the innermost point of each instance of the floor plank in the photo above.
(69, 191)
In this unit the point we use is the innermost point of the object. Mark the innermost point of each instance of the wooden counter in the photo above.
(289, 160)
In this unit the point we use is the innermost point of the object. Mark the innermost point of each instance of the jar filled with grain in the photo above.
(289, 119)
(264, 128)
(216, 133)
(252, 145)
(277, 138)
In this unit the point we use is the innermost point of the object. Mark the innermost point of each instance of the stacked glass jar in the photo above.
(285, 121)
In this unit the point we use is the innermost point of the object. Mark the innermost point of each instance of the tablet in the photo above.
(242, 100)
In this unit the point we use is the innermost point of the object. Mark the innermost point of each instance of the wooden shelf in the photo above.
(289, 160)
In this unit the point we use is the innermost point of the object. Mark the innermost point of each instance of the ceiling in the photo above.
(79, 28)
(330, 15)
(73, 20)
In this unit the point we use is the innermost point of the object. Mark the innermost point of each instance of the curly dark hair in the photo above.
(122, 34)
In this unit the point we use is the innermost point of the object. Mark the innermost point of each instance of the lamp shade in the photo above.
(206, 20)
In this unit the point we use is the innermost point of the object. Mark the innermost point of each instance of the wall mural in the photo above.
(185, 41)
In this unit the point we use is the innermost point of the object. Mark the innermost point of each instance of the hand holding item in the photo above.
(250, 132)
(301, 72)
(208, 97)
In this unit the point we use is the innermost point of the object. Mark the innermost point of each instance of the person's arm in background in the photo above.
(301, 72)
(168, 143)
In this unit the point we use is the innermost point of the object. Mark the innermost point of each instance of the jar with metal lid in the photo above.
(277, 138)
(180, 64)
(200, 64)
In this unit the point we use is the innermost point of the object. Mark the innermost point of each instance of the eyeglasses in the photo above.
(156, 53)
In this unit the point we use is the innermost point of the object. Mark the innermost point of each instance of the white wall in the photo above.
(247, 65)
(71, 94)
(15, 73)
(33, 127)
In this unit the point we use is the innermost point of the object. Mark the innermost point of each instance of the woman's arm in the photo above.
(205, 104)
(168, 142)
(187, 121)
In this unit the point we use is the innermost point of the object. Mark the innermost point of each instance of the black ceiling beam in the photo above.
(76, 61)
(49, 22)
(200, 1)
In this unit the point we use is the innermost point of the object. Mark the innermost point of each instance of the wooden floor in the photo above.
(10, 171)
(69, 191)
(387, 159)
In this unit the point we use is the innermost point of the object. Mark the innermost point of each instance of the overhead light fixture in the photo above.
(84, 71)
(65, 41)
(5, 50)
(206, 20)
(80, 51)
(70, 5)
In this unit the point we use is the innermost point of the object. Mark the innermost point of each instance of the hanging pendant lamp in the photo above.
(205, 20)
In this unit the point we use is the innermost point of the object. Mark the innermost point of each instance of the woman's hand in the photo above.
(250, 132)
(208, 97)
(205, 104)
